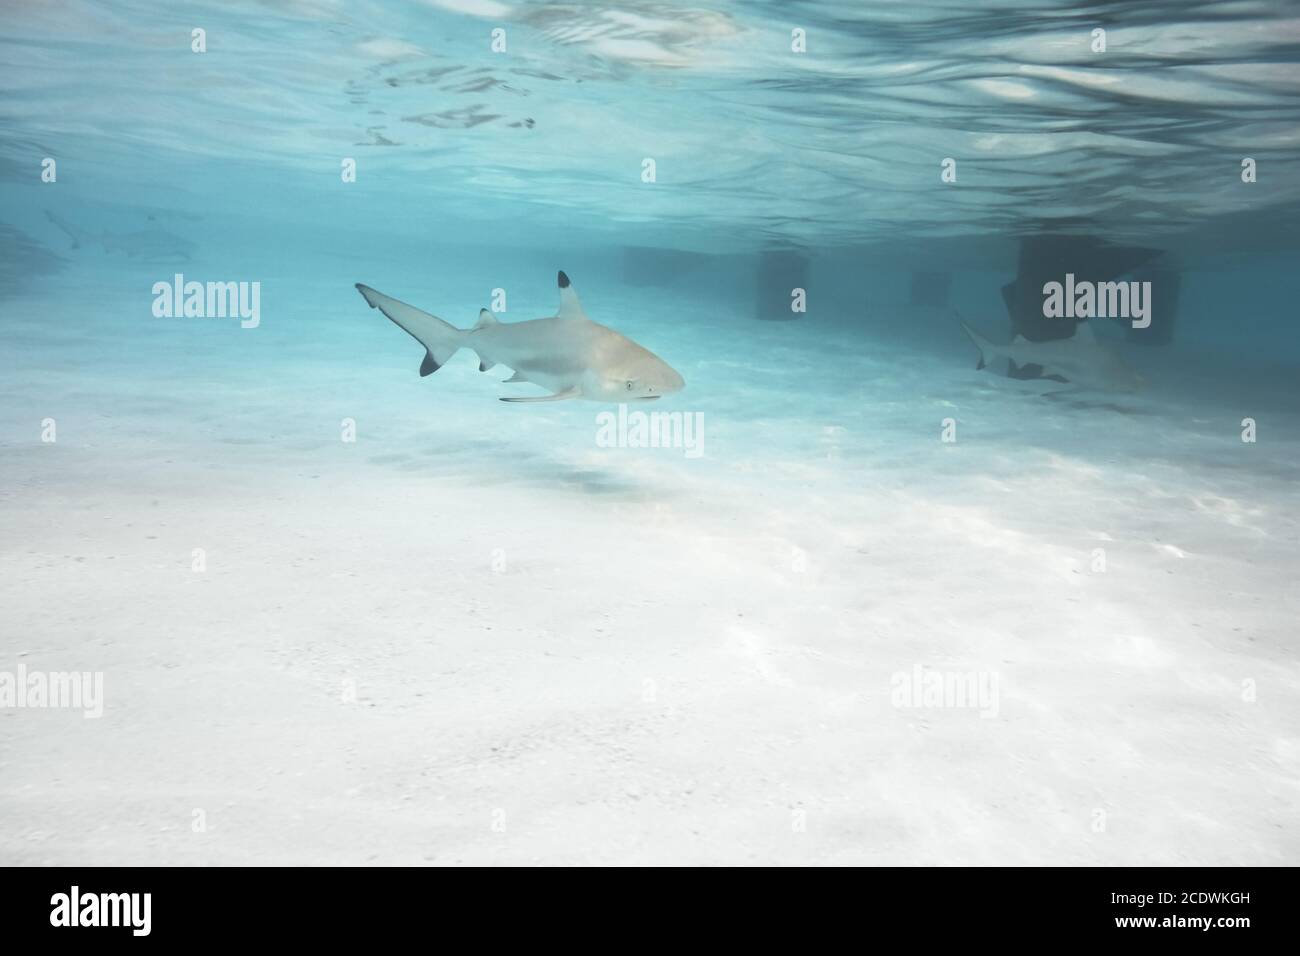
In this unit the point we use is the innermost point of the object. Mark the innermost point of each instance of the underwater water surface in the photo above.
(842, 598)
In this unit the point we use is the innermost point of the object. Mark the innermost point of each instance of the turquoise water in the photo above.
(355, 614)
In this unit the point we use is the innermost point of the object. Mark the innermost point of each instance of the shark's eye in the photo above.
(629, 386)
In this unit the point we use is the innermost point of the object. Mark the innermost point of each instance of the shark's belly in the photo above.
(550, 356)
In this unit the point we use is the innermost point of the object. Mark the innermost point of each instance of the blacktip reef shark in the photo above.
(1082, 360)
(567, 353)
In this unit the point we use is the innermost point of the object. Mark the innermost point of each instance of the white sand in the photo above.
(678, 655)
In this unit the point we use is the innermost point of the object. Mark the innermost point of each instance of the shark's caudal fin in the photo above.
(73, 233)
(440, 340)
(570, 307)
(988, 351)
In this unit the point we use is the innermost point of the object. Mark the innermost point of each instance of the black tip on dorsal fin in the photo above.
(564, 280)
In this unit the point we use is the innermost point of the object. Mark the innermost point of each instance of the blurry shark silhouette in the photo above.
(566, 353)
(147, 245)
(1080, 360)
(1048, 258)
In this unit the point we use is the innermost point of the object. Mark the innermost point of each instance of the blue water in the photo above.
(331, 596)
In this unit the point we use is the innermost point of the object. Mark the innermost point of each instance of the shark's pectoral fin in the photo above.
(428, 366)
(1061, 391)
(568, 393)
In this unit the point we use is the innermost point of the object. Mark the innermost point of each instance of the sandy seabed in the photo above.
(475, 636)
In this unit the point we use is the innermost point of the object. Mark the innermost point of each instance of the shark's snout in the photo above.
(655, 380)
(665, 383)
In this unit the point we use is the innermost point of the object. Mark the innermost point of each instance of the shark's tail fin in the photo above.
(988, 351)
(440, 340)
(73, 233)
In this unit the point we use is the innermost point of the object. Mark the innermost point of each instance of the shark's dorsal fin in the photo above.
(1019, 340)
(570, 307)
(1085, 331)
